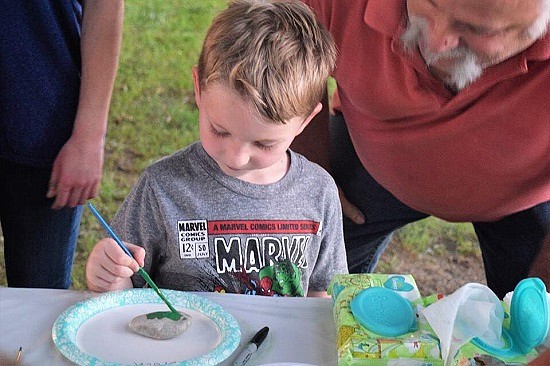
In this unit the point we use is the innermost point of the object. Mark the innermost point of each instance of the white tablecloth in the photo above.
(301, 329)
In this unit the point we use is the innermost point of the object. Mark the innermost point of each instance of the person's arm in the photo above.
(318, 294)
(541, 265)
(314, 144)
(108, 268)
(77, 169)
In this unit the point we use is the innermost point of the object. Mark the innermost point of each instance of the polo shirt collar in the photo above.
(540, 50)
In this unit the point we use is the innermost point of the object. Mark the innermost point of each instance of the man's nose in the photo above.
(442, 37)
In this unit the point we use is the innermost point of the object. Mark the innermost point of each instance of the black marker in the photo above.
(251, 347)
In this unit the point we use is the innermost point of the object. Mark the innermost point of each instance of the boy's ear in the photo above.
(196, 85)
(316, 110)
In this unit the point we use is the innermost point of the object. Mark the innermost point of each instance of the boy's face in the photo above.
(244, 144)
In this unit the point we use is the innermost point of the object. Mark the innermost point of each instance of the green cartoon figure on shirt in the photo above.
(286, 278)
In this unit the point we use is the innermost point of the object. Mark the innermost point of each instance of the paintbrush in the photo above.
(173, 313)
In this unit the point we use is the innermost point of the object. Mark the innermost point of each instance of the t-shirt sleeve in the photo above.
(332, 252)
(138, 222)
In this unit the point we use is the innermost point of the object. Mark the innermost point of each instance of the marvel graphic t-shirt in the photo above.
(205, 231)
(258, 257)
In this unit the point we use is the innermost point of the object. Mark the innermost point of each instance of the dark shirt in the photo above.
(39, 78)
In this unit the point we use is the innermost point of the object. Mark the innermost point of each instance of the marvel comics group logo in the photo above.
(193, 239)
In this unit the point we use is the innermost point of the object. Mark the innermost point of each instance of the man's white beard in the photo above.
(466, 67)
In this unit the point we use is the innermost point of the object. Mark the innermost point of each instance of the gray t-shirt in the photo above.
(206, 231)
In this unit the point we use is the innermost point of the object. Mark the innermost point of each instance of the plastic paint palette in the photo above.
(383, 312)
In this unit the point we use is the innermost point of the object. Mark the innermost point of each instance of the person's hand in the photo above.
(350, 210)
(109, 268)
(76, 173)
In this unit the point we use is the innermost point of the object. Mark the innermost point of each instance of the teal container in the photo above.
(529, 321)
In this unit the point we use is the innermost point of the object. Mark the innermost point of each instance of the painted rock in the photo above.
(159, 325)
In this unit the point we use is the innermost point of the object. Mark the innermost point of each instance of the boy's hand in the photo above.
(108, 268)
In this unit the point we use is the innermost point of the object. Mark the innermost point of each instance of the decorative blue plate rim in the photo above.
(66, 326)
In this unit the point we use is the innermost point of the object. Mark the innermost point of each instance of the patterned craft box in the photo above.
(358, 346)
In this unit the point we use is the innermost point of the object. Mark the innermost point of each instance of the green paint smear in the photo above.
(164, 314)
(173, 314)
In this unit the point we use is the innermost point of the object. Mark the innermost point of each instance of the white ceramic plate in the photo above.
(95, 331)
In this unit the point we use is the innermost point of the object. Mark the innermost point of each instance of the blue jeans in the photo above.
(509, 246)
(39, 243)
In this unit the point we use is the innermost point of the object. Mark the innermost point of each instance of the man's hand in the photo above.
(78, 166)
(350, 210)
(314, 144)
(108, 268)
(76, 173)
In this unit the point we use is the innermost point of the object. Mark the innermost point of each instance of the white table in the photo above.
(301, 329)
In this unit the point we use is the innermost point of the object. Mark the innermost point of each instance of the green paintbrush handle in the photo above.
(141, 271)
(148, 279)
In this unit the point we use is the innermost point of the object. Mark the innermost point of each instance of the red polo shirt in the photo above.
(479, 155)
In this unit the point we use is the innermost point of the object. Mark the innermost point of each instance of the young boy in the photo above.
(238, 211)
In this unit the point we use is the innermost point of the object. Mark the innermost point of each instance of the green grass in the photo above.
(153, 114)
(438, 236)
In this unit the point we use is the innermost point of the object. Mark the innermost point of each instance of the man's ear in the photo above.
(196, 85)
(315, 111)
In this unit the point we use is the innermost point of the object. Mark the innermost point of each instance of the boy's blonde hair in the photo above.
(272, 53)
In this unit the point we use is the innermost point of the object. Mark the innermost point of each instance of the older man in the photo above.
(441, 109)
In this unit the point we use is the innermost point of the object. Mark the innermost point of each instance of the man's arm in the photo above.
(314, 144)
(77, 169)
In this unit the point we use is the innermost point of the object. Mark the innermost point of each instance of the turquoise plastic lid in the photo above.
(529, 320)
(383, 312)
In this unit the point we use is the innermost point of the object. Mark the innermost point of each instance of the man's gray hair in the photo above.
(540, 26)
